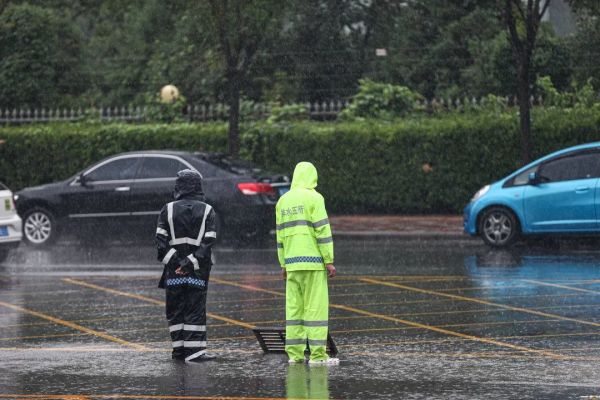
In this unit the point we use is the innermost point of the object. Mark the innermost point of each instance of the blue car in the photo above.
(557, 194)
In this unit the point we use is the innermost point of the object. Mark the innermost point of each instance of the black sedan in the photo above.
(124, 194)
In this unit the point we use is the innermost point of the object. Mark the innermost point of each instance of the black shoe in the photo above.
(177, 356)
(201, 358)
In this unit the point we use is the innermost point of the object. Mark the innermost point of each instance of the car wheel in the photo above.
(498, 227)
(39, 227)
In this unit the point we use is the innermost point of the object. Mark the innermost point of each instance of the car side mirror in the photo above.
(534, 178)
(83, 180)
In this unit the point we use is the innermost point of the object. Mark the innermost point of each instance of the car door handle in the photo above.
(122, 189)
(582, 189)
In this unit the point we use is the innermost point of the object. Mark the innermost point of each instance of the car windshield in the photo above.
(224, 161)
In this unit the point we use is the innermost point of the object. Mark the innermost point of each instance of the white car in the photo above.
(10, 223)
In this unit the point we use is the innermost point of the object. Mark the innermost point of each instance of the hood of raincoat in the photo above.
(188, 185)
(305, 176)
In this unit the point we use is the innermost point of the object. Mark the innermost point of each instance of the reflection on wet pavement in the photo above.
(412, 319)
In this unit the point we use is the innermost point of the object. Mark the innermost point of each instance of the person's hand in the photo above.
(330, 270)
(283, 273)
(180, 271)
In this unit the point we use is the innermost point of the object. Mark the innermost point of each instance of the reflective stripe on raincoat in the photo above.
(304, 240)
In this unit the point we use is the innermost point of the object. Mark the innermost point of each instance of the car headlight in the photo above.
(481, 192)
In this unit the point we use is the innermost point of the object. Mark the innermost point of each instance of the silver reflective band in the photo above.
(315, 323)
(325, 240)
(196, 328)
(292, 342)
(300, 222)
(168, 256)
(161, 231)
(174, 328)
(170, 218)
(292, 322)
(187, 240)
(194, 261)
(195, 343)
(317, 342)
(211, 234)
(178, 343)
(195, 355)
(322, 222)
(289, 224)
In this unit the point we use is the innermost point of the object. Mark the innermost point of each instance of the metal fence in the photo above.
(326, 110)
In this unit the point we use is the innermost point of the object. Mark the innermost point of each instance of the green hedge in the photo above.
(34, 154)
(368, 166)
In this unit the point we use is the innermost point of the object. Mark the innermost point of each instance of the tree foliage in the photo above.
(289, 51)
(40, 58)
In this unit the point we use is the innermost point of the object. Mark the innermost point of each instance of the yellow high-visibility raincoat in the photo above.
(304, 247)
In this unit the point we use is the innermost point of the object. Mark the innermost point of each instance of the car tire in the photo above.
(498, 227)
(39, 227)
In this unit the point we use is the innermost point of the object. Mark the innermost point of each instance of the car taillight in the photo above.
(254, 188)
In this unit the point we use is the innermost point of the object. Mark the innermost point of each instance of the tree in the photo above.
(40, 58)
(523, 25)
(494, 72)
(241, 28)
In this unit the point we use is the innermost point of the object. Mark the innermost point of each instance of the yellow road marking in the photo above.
(77, 349)
(453, 339)
(129, 317)
(151, 300)
(410, 323)
(44, 336)
(74, 326)
(132, 396)
(479, 301)
(556, 285)
(244, 286)
(448, 332)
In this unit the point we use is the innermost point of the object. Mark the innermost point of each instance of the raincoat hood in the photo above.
(305, 176)
(188, 185)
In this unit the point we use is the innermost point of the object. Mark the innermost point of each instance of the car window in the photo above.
(121, 169)
(523, 177)
(581, 166)
(160, 167)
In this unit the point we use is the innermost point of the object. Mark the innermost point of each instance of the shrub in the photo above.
(380, 100)
(364, 166)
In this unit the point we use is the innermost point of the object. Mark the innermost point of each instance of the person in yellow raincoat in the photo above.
(305, 252)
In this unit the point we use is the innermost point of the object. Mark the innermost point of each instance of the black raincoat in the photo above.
(185, 233)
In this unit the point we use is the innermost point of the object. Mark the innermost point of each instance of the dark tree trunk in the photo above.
(523, 46)
(234, 114)
(525, 112)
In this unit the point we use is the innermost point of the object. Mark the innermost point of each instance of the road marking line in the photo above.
(129, 396)
(479, 301)
(556, 285)
(249, 287)
(410, 323)
(150, 300)
(75, 326)
(57, 335)
(451, 333)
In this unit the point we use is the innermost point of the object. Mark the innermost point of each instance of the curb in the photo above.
(412, 235)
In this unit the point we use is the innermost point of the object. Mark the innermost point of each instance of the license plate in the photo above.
(283, 190)
(3, 231)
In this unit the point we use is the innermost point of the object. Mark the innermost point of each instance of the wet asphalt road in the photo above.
(431, 319)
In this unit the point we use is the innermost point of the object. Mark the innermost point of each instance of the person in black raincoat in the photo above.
(185, 234)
